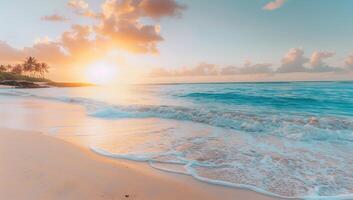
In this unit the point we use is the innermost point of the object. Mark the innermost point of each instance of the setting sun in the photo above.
(101, 73)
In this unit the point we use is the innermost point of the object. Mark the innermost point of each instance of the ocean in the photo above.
(285, 139)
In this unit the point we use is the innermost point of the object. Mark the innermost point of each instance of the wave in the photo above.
(297, 126)
(294, 127)
(316, 104)
(245, 148)
(313, 170)
(253, 98)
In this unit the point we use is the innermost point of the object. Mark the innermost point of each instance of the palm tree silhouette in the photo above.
(8, 67)
(30, 64)
(17, 69)
(37, 68)
(44, 68)
(3, 68)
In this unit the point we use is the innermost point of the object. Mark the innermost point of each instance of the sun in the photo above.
(101, 73)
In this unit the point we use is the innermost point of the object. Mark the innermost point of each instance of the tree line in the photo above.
(30, 67)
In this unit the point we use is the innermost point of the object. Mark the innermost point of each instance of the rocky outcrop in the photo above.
(22, 84)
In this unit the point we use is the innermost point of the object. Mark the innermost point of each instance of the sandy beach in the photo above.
(36, 166)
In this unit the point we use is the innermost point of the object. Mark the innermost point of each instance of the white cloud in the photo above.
(317, 62)
(317, 57)
(293, 61)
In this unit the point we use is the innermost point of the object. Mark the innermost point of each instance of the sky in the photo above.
(182, 40)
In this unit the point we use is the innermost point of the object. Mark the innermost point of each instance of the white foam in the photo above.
(241, 148)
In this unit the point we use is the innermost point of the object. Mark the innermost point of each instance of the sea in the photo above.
(284, 139)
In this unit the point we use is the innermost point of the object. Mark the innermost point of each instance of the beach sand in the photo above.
(36, 166)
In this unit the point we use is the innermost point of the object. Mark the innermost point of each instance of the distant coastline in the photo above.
(31, 74)
(24, 81)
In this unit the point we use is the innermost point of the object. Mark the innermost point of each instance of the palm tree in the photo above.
(44, 68)
(37, 69)
(30, 64)
(8, 67)
(17, 69)
(3, 68)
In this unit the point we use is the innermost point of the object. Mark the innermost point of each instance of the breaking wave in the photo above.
(242, 135)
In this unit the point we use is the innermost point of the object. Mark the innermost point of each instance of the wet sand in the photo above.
(36, 166)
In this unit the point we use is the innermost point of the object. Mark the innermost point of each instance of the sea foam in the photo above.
(286, 140)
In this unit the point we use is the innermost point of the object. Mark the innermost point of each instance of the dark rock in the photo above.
(21, 84)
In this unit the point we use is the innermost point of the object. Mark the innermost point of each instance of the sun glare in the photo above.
(101, 73)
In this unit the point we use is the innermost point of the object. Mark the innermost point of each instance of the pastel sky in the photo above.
(183, 40)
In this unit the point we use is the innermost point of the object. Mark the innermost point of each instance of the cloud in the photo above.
(120, 22)
(73, 45)
(248, 68)
(349, 62)
(8, 53)
(46, 51)
(83, 45)
(132, 10)
(273, 5)
(81, 7)
(317, 57)
(78, 4)
(206, 69)
(118, 26)
(202, 69)
(159, 8)
(54, 18)
(318, 65)
(293, 61)
(77, 39)
(131, 36)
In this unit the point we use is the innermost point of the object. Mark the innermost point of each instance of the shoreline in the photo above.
(71, 122)
(37, 85)
(38, 166)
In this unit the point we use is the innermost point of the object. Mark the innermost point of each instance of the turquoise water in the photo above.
(291, 139)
